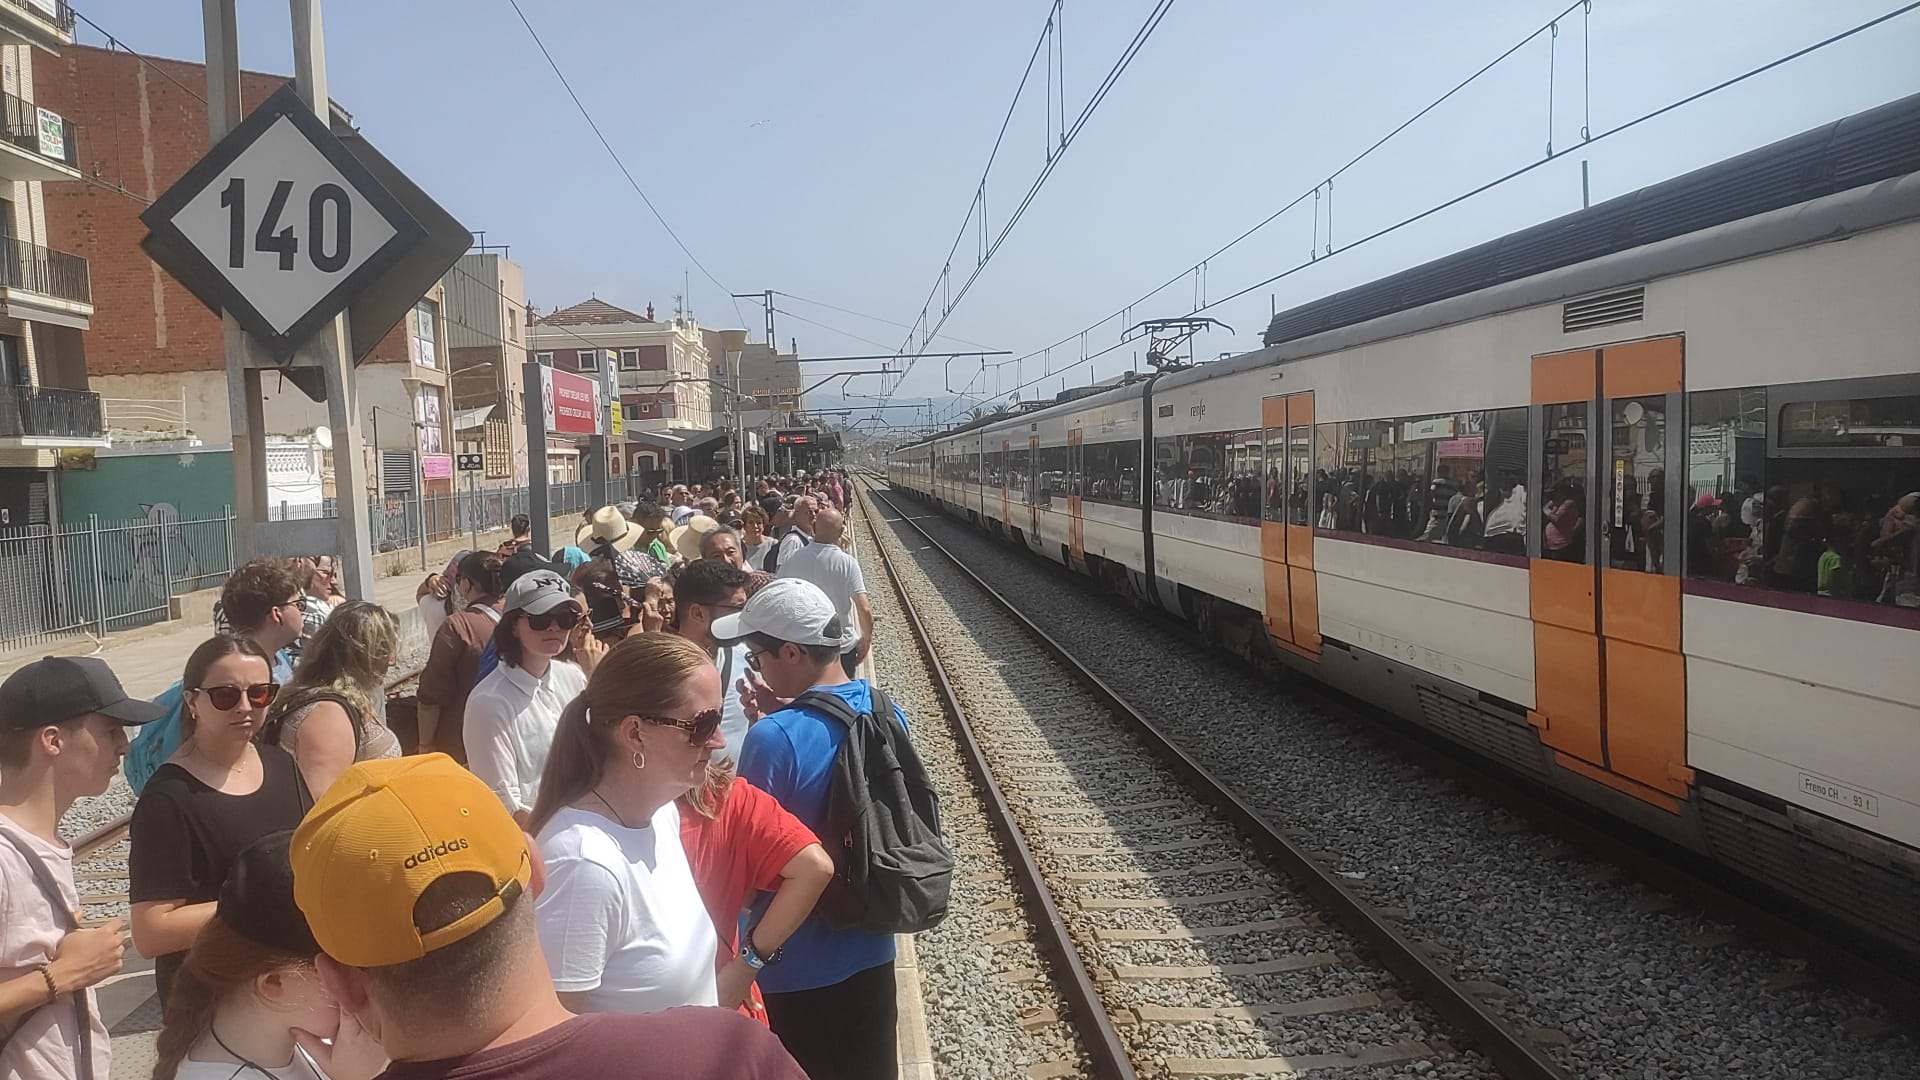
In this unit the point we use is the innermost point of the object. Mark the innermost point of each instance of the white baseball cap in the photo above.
(787, 609)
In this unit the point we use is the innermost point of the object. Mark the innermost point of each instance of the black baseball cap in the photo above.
(55, 689)
(256, 900)
(771, 503)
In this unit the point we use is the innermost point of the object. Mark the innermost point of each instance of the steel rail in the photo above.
(1111, 1061)
(1505, 1047)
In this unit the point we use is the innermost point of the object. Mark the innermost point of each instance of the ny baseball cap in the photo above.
(256, 900)
(381, 835)
(788, 609)
(55, 689)
(537, 593)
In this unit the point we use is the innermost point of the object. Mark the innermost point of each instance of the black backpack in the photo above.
(891, 867)
(779, 536)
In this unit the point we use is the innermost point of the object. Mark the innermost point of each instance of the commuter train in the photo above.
(1627, 503)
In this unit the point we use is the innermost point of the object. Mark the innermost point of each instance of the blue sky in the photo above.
(831, 150)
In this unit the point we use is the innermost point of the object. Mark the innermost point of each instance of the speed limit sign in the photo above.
(282, 224)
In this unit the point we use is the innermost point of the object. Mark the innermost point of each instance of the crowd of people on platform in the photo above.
(597, 854)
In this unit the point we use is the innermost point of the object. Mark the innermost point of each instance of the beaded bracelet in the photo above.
(53, 992)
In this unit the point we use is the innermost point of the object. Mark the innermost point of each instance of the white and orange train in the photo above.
(1628, 502)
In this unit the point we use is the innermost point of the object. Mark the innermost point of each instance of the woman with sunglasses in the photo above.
(621, 921)
(333, 713)
(512, 714)
(216, 795)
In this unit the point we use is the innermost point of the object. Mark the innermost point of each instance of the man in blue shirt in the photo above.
(829, 993)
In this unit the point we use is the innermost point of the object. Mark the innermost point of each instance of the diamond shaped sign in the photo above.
(282, 224)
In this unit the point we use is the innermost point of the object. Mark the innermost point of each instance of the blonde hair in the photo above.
(348, 658)
(645, 674)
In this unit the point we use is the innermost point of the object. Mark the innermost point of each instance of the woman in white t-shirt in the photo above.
(621, 922)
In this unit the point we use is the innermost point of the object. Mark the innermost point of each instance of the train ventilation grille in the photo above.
(1607, 309)
(1511, 743)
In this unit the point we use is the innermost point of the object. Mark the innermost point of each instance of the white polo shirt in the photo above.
(510, 720)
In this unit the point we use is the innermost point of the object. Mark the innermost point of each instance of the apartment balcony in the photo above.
(35, 143)
(47, 417)
(46, 24)
(42, 285)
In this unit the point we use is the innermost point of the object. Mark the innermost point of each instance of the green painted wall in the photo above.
(162, 530)
(197, 484)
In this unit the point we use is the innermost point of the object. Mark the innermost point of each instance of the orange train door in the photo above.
(1286, 524)
(1076, 523)
(1033, 491)
(1605, 579)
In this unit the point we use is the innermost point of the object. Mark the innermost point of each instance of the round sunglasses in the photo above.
(226, 698)
(699, 728)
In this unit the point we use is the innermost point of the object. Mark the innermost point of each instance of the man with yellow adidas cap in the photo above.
(418, 886)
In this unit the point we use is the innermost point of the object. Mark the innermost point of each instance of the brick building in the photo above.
(154, 353)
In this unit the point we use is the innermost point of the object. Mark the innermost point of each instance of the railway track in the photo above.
(100, 854)
(1184, 934)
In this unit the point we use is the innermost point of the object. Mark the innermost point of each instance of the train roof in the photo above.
(1865, 148)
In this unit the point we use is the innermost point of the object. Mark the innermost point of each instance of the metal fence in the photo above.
(396, 520)
(63, 581)
(102, 576)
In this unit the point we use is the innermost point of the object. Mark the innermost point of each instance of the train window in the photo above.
(1168, 483)
(1240, 496)
(1636, 485)
(996, 469)
(1874, 421)
(1830, 507)
(1113, 471)
(1340, 471)
(1050, 473)
(1563, 510)
(1300, 463)
(1273, 499)
(1018, 470)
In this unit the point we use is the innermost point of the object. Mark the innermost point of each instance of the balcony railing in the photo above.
(50, 412)
(50, 273)
(55, 13)
(40, 131)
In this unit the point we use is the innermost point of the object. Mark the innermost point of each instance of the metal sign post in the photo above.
(471, 464)
(282, 227)
(539, 510)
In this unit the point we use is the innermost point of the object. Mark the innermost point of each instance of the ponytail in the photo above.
(221, 963)
(484, 569)
(645, 674)
(573, 763)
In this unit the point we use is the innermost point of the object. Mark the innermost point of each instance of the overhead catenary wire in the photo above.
(1326, 182)
(874, 318)
(1160, 9)
(622, 165)
(1505, 178)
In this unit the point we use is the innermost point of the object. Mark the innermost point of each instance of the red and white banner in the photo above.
(572, 403)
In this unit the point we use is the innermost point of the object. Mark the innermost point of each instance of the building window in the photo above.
(544, 359)
(629, 359)
(513, 324)
(421, 339)
(589, 359)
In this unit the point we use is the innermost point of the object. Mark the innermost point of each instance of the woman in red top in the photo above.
(739, 841)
